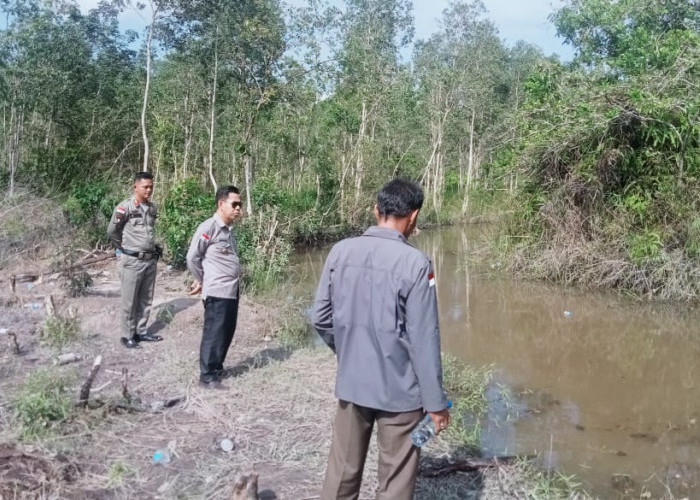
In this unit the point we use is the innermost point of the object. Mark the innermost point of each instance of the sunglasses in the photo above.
(236, 204)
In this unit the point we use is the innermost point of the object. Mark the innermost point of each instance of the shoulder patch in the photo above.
(431, 279)
(205, 237)
(121, 210)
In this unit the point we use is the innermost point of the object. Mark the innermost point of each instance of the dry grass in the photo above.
(589, 266)
(29, 228)
(278, 410)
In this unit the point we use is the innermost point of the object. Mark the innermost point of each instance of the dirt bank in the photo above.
(277, 408)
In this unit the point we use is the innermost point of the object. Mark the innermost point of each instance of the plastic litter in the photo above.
(226, 444)
(425, 430)
(165, 455)
(161, 457)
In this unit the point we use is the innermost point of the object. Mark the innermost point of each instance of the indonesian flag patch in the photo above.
(205, 237)
(431, 279)
(121, 210)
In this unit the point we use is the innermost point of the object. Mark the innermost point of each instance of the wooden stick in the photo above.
(50, 306)
(85, 390)
(14, 341)
(125, 378)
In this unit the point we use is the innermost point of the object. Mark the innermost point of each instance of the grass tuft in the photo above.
(42, 402)
(467, 387)
(59, 331)
(118, 471)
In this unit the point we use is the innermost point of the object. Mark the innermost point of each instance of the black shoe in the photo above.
(149, 337)
(212, 384)
(130, 343)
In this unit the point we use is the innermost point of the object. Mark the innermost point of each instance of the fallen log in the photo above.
(28, 277)
(64, 359)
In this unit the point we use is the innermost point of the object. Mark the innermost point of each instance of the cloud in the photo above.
(514, 19)
(130, 19)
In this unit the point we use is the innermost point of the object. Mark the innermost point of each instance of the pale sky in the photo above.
(514, 19)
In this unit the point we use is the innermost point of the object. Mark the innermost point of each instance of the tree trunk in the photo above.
(433, 177)
(188, 137)
(470, 164)
(359, 161)
(14, 140)
(248, 166)
(213, 111)
(147, 88)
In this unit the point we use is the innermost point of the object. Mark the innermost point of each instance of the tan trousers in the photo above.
(138, 284)
(398, 458)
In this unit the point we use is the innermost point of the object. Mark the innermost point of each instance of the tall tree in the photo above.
(461, 71)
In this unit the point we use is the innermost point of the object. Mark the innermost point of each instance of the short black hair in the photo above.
(143, 175)
(399, 198)
(223, 192)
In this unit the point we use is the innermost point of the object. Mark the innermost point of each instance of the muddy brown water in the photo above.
(594, 385)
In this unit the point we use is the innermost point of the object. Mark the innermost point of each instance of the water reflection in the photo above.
(610, 388)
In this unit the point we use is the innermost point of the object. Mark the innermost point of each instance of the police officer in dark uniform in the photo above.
(132, 231)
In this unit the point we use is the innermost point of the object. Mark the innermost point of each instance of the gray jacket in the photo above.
(132, 227)
(376, 307)
(213, 259)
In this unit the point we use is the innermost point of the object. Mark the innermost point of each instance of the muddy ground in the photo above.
(277, 407)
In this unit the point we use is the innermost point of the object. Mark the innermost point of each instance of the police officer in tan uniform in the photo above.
(132, 231)
(213, 261)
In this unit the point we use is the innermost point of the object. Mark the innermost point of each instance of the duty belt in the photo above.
(140, 255)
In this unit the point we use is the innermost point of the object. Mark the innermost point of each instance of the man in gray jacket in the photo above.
(376, 308)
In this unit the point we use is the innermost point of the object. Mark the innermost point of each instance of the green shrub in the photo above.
(293, 327)
(42, 402)
(186, 206)
(264, 251)
(118, 471)
(59, 331)
(88, 207)
(645, 246)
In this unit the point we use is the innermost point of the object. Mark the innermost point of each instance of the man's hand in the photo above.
(196, 288)
(441, 419)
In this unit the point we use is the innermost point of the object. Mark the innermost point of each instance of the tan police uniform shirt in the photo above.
(132, 226)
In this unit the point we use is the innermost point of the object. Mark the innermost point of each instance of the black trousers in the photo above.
(220, 316)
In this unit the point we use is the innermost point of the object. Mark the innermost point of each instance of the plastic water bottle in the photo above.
(425, 430)
(161, 457)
